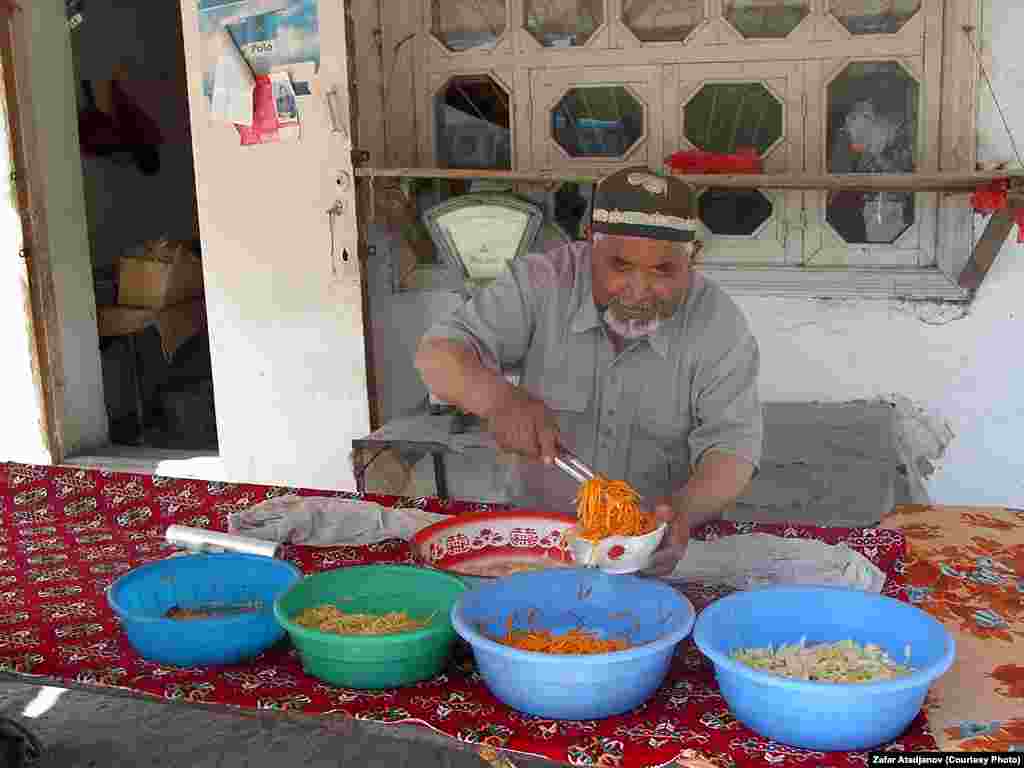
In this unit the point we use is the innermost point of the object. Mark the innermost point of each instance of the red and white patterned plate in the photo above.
(488, 545)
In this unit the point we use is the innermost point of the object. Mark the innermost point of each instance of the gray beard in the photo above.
(657, 310)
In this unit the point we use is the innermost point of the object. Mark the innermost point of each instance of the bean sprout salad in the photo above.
(841, 662)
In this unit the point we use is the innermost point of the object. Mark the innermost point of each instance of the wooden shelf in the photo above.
(907, 182)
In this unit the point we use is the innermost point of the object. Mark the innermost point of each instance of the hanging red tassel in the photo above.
(992, 197)
(996, 197)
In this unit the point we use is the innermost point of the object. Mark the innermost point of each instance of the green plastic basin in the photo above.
(374, 661)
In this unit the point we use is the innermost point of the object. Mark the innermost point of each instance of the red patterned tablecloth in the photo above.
(66, 534)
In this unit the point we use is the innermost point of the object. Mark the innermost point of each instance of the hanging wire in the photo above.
(968, 32)
(386, 95)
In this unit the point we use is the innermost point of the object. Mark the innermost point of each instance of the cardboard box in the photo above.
(159, 275)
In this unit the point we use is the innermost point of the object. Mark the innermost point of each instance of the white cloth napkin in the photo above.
(753, 560)
(328, 521)
(743, 561)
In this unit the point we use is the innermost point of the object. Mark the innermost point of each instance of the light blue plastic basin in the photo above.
(820, 715)
(575, 687)
(142, 597)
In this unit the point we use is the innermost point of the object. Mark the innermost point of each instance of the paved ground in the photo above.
(85, 730)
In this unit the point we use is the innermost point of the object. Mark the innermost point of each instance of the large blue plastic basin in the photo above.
(142, 597)
(574, 687)
(820, 715)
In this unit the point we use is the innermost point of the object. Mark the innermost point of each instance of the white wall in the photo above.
(965, 371)
(23, 436)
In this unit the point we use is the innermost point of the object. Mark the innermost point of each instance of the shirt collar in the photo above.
(586, 317)
(659, 339)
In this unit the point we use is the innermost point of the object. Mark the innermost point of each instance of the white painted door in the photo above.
(282, 290)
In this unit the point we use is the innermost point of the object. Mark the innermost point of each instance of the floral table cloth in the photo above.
(965, 566)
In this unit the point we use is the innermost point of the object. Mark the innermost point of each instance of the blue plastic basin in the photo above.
(142, 597)
(820, 715)
(574, 687)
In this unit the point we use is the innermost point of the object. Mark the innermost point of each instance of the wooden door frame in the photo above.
(31, 203)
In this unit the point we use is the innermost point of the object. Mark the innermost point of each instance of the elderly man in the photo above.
(640, 366)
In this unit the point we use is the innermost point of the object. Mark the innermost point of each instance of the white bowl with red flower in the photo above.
(617, 554)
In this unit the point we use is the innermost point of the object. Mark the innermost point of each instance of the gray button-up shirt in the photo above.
(646, 416)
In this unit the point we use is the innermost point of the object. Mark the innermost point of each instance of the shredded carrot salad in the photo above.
(611, 508)
(573, 641)
(328, 618)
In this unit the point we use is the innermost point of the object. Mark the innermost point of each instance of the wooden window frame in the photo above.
(934, 38)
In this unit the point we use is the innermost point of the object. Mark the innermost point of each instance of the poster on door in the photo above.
(273, 37)
(275, 115)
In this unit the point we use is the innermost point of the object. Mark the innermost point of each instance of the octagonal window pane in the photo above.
(874, 17)
(724, 117)
(872, 128)
(463, 25)
(562, 23)
(472, 124)
(597, 121)
(734, 212)
(870, 218)
(766, 18)
(662, 22)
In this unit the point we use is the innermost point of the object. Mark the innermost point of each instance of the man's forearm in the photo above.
(719, 480)
(453, 373)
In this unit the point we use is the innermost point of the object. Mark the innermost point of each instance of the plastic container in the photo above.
(142, 597)
(374, 661)
(654, 616)
(479, 547)
(820, 715)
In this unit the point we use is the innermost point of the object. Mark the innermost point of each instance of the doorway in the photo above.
(143, 227)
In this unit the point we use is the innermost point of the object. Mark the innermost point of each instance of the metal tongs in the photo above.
(573, 466)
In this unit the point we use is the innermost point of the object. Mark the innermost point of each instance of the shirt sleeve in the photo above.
(497, 322)
(726, 401)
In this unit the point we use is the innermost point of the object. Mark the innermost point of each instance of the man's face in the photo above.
(638, 281)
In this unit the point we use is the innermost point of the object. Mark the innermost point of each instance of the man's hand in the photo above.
(677, 537)
(523, 425)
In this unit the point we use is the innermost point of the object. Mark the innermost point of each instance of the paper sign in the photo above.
(233, 85)
(271, 35)
(275, 114)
